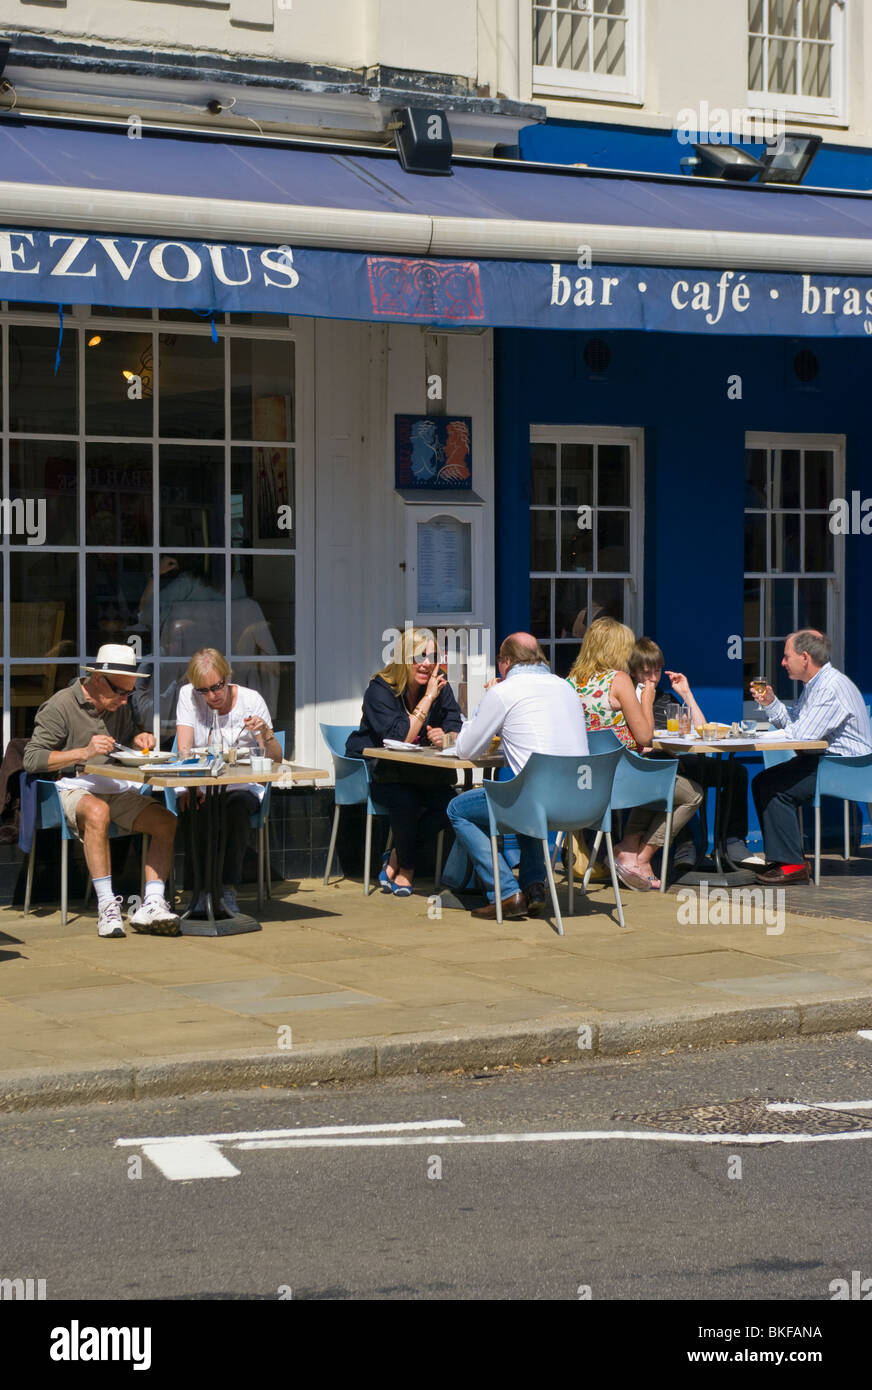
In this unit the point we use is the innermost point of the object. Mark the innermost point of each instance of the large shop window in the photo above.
(794, 565)
(796, 56)
(587, 48)
(586, 530)
(149, 498)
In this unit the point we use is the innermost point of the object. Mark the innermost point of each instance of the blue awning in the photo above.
(136, 219)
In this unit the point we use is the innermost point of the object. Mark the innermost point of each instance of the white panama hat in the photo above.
(116, 660)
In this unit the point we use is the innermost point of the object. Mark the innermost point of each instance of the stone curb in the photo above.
(360, 1059)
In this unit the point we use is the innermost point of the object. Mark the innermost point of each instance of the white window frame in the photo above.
(607, 434)
(561, 82)
(793, 106)
(835, 599)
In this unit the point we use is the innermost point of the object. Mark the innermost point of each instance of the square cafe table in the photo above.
(728, 873)
(207, 877)
(431, 757)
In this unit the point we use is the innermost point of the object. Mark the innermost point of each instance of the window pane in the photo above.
(776, 675)
(261, 389)
(818, 478)
(613, 541)
(755, 544)
(609, 51)
(816, 60)
(542, 541)
(262, 607)
(576, 546)
(819, 555)
(44, 470)
(755, 16)
(779, 608)
(785, 478)
(782, 65)
(572, 42)
(41, 402)
(576, 474)
(613, 464)
(752, 606)
(540, 608)
(755, 477)
(751, 668)
(262, 497)
(812, 604)
(563, 658)
(608, 599)
(119, 383)
(191, 387)
(44, 593)
(192, 608)
(782, 16)
(118, 494)
(570, 608)
(114, 588)
(756, 82)
(105, 311)
(816, 18)
(542, 46)
(191, 497)
(543, 474)
(785, 542)
(165, 688)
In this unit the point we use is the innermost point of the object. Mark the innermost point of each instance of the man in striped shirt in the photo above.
(830, 707)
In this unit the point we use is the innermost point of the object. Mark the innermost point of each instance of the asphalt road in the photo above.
(612, 1219)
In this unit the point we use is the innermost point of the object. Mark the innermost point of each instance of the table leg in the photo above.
(723, 873)
(218, 921)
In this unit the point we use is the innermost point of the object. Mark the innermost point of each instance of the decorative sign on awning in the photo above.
(209, 277)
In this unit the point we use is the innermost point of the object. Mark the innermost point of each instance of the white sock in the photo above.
(103, 889)
(154, 888)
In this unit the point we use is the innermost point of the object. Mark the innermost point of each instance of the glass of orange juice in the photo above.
(672, 714)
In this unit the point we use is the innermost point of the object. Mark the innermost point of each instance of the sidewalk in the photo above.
(338, 986)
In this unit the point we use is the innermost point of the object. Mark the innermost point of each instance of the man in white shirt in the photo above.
(831, 708)
(532, 711)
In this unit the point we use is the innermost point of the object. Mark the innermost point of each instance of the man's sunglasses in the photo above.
(210, 689)
(118, 689)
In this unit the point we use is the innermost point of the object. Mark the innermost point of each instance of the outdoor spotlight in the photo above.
(423, 140)
(788, 157)
(725, 162)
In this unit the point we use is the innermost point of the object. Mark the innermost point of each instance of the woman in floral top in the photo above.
(604, 687)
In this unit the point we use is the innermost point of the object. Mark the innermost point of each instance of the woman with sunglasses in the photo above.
(411, 701)
(210, 699)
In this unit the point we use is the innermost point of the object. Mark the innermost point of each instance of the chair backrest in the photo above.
(773, 756)
(554, 793)
(352, 774)
(642, 781)
(603, 740)
(848, 778)
(260, 815)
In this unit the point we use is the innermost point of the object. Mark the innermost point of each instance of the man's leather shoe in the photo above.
(776, 874)
(513, 907)
(534, 895)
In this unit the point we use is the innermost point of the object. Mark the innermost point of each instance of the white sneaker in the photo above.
(740, 854)
(156, 917)
(109, 921)
(228, 897)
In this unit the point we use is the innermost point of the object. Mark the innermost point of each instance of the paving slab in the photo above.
(371, 986)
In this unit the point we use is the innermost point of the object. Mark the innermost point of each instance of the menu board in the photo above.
(444, 566)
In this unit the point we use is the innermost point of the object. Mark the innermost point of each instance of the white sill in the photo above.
(585, 94)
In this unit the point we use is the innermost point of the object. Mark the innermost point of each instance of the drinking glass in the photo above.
(709, 733)
(672, 712)
(749, 727)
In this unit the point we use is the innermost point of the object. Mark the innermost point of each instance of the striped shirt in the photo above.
(830, 707)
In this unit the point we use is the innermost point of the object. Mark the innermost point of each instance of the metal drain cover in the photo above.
(749, 1117)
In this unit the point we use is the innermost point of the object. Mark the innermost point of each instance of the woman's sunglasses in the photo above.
(210, 689)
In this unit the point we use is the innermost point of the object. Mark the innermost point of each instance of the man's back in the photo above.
(533, 711)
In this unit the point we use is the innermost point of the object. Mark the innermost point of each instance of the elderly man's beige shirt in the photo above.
(70, 720)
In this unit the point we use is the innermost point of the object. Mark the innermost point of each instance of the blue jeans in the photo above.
(469, 820)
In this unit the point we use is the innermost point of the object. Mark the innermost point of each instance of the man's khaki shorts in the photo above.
(125, 808)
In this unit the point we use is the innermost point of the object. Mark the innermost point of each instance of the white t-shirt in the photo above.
(194, 713)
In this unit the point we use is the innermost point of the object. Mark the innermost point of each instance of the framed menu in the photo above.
(443, 563)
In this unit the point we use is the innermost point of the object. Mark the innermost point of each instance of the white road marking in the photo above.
(554, 1137)
(289, 1133)
(789, 1106)
(865, 1033)
(190, 1158)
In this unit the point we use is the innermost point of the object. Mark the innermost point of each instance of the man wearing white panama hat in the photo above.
(82, 724)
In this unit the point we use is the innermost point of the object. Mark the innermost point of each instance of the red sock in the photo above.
(792, 868)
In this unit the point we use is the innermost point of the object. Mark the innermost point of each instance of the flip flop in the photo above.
(383, 875)
(631, 879)
(400, 890)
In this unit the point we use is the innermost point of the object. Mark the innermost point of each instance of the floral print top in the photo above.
(598, 714)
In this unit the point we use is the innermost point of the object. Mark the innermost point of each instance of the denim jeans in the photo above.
(469, 820)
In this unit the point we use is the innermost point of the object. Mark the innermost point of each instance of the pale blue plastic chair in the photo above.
(640, 782)
(354, 787)
(598, 741)
(847, 778)
(50, 816)
(259, 821)
(545, 796)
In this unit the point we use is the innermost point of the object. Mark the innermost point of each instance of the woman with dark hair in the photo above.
(411, 701)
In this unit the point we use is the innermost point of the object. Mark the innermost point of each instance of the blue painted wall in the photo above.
(609, 146)
(674, 386)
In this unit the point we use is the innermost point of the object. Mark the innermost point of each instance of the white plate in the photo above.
(137, 759)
